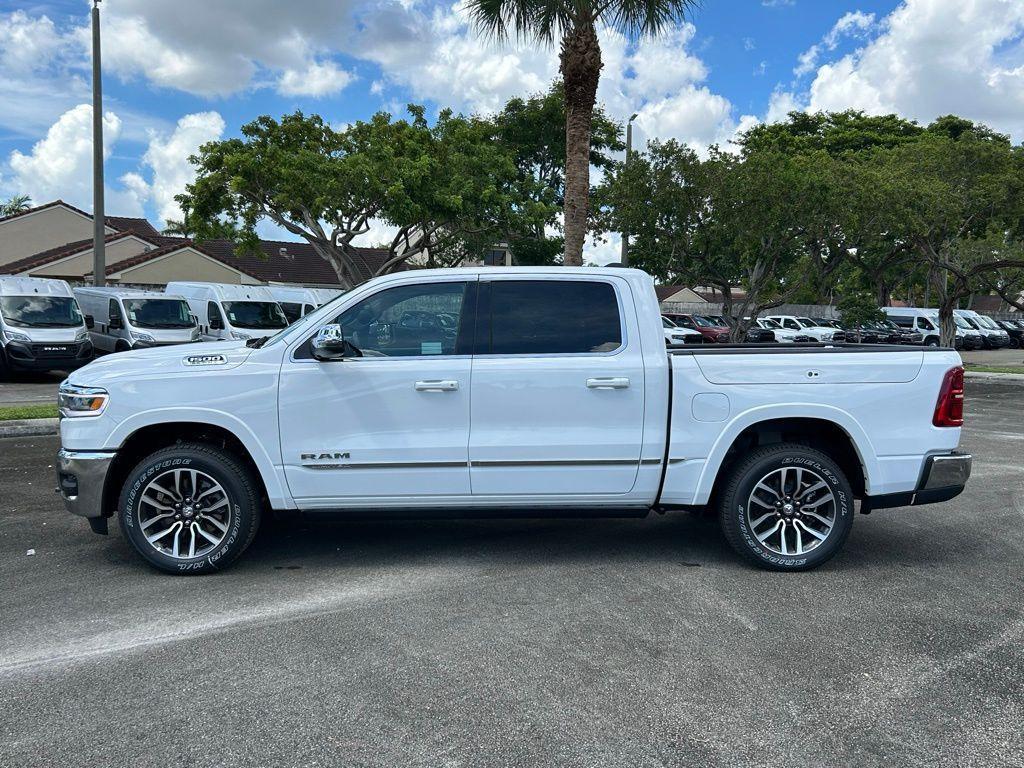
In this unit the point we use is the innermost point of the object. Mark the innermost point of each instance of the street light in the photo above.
(629, 150)
(99, 260)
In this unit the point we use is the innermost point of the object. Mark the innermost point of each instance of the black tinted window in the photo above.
(903, 322)
(535, 317)
(292, 310)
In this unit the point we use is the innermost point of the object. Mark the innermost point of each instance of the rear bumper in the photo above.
(81, 479)
(942, 478)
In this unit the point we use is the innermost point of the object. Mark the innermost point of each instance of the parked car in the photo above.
(1015, 330)
(225, 311)
(297, 301)
(710, 331)
(900, 335)
(529, 409)
(864, 334)
(808, 327)
(782, 335)
(676, 335)
(125, 318)
(41, 326)
(992, 335)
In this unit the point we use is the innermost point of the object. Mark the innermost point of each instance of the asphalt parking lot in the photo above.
(522, 643)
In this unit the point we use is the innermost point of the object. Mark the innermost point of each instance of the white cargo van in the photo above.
(225, 311)
(297, 301)
(926, 321)
(126, 318)
(41, 326)
(993, 336)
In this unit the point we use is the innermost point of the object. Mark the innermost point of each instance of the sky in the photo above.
(178, 73)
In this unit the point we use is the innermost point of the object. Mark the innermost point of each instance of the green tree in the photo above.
(533, 129)
(726, 221)
(960, 207)
(15, 204)
(442, 186)
(857, 307)
(574, 25)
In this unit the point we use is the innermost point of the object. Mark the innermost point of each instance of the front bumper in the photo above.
(62, 356)
(81, 481)
(942, 478)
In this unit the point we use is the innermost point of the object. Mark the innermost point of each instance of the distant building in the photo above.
(55, 240)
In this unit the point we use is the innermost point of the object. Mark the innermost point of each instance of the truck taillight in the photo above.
(949, 408)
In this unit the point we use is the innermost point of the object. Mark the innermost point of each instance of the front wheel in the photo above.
(190, 509)
(786, 507)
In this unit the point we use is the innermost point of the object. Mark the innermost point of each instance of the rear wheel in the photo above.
(786, 507)
(192, 508)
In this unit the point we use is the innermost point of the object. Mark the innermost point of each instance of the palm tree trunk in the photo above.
(581, 71)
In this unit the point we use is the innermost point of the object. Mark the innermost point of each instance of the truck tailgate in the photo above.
(827, 367)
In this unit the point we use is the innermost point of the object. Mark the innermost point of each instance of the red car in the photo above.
(712, 332)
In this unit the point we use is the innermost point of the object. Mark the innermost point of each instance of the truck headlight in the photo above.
(12, 336)
(142, 336)
(81, 401)
(81, 336)
(240, 336)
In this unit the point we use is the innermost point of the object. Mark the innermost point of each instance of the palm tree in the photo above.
(574, 23)
(178, 228)
(16, 204)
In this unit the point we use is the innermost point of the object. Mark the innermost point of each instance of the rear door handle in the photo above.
(437, 385)
(611, 382)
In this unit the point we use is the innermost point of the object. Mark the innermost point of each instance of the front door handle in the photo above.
(437, 385)
(611, 382)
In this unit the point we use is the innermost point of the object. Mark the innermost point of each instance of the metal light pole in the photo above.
(629, 150)
(99, 257)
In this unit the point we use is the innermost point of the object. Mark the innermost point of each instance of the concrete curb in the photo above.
(1014, 377)
(34, 427)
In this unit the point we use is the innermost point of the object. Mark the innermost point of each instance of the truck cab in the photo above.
(225, 312)
(41, 326)
(125, 318)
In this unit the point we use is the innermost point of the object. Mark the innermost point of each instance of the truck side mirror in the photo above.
(329, 345)
(90, 322)
(115, 323)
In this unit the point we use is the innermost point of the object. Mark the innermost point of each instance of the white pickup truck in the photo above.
(511, 392)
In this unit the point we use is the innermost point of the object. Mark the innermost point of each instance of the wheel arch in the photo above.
(827, 429)
(135, 442)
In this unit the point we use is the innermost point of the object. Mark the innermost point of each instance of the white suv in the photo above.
(807, 327)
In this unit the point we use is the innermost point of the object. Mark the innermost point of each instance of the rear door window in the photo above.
(546, 317)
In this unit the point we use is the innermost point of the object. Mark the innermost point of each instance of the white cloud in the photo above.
(60, 164)
(777, 3)
(932, 57)
(167, 162)
(854, 23)
(318, 78)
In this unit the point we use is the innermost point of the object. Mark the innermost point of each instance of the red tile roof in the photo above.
(127, 223)
(298, 264)
(61, 251)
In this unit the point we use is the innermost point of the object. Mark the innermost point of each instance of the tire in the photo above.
(745, 531)
(931, 341)
(159, 491)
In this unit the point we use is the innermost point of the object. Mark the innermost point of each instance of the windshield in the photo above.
(40, 311)
(769, 323)
(961, 323)
(158, 313)
(703, 322)
(805, 322)
(257, 315)
(667, 323)
(716, 320)
(986, 322)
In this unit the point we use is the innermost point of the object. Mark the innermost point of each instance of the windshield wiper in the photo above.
(256, 343)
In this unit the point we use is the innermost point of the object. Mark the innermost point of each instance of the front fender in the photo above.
(273, 478)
